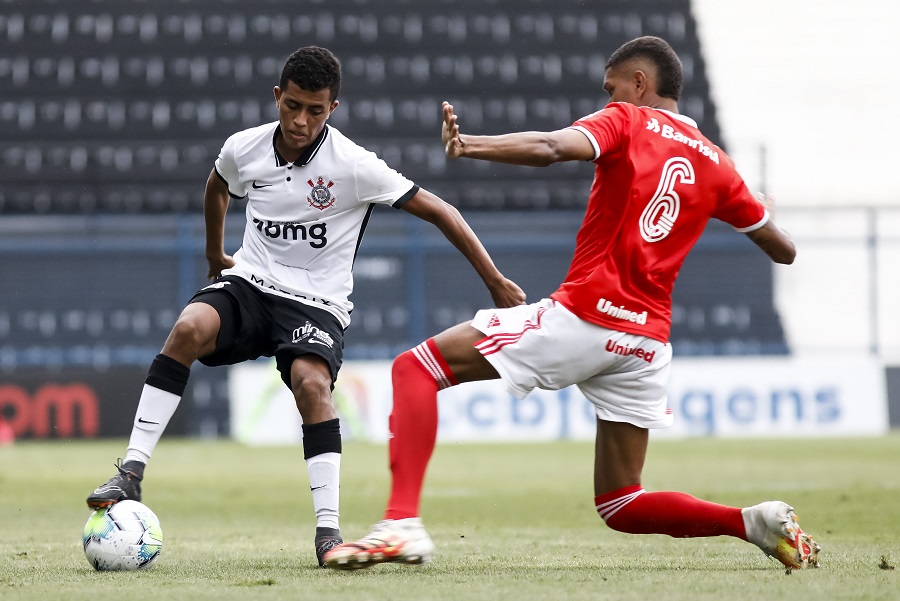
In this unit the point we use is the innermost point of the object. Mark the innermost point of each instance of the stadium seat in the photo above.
(120, 109)
(143, 75)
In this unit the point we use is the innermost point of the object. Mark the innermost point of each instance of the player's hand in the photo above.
(506, 293)
(450, 132)
(766, 200)
(218, 264)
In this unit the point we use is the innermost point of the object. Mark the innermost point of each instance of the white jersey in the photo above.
(305, 220)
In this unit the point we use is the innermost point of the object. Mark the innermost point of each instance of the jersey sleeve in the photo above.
(226, 167)
(740, 209)
(606, 129)
(378, 183)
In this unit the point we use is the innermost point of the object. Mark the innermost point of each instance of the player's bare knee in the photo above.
(189, 337)
(312, 391)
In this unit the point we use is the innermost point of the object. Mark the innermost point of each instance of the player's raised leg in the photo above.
(192, 336)
(625, 506)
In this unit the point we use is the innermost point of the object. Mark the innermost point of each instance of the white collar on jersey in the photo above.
(306, 156)
(679, 117)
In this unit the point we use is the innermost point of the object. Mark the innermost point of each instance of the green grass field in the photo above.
(510, 522)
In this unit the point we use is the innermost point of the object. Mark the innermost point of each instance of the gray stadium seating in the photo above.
(113, 110)
(132, 93)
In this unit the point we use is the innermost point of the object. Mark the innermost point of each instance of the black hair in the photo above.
(660, 53)
(313, 68)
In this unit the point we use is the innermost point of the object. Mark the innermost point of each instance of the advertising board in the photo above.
(746, 397)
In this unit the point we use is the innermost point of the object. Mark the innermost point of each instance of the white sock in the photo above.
(765, 524)
(324, 482)
(154, 411)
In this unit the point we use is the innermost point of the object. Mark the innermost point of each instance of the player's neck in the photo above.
(666, 104)
(287, 153)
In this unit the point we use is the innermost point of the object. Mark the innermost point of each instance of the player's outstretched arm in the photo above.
(774, 242)
(531, 148)
(770, 238)
(448, 219)
(215, 205)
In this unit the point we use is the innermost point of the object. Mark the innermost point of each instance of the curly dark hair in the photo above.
(313, 68)
(660, 53)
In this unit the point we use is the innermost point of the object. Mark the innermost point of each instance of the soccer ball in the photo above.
(126, 536)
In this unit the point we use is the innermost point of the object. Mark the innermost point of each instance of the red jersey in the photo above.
(657, 183)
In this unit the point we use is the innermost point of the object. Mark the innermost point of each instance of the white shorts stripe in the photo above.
(428, 361)
(493, 343)
(609, 509)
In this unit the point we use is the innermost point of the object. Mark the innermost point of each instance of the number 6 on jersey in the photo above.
(660, 214)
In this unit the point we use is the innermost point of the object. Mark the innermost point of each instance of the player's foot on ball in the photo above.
(326, 540)
(402, 541)
(124, 485)
(772, 526)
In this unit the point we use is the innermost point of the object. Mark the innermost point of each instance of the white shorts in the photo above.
(544, 345)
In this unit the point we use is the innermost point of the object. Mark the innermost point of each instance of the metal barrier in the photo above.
(103, 291)
(106, 290)
(841, 294)
(90, 300)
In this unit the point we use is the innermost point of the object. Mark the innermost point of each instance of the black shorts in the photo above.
(256, 324)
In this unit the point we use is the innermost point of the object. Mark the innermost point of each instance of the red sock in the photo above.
(677, 514)
(417, 375)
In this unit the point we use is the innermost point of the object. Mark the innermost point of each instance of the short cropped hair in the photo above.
(660, 53)
(313, 68)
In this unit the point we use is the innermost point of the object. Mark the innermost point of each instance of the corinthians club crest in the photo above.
(320, 197)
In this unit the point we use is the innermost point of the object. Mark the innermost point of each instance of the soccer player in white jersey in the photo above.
(657, 183)
(284, 293)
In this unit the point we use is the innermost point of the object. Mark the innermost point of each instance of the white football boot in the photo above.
(773, 527)
(401, 541)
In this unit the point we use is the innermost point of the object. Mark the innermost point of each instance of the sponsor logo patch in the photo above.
(605, 306)
(314, 233)
(313, 335)
(670, 133)
(625, 351)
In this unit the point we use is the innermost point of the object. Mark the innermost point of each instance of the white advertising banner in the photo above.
(730, 397)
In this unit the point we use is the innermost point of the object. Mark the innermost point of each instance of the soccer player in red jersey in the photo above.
(657, 183)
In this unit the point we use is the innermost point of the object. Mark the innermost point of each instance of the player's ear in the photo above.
(334, 105)
(640, 81)
(277, 92)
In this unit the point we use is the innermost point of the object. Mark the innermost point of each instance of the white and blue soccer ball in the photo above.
(126, 536)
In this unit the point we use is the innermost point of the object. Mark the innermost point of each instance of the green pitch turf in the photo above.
(510, 522)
